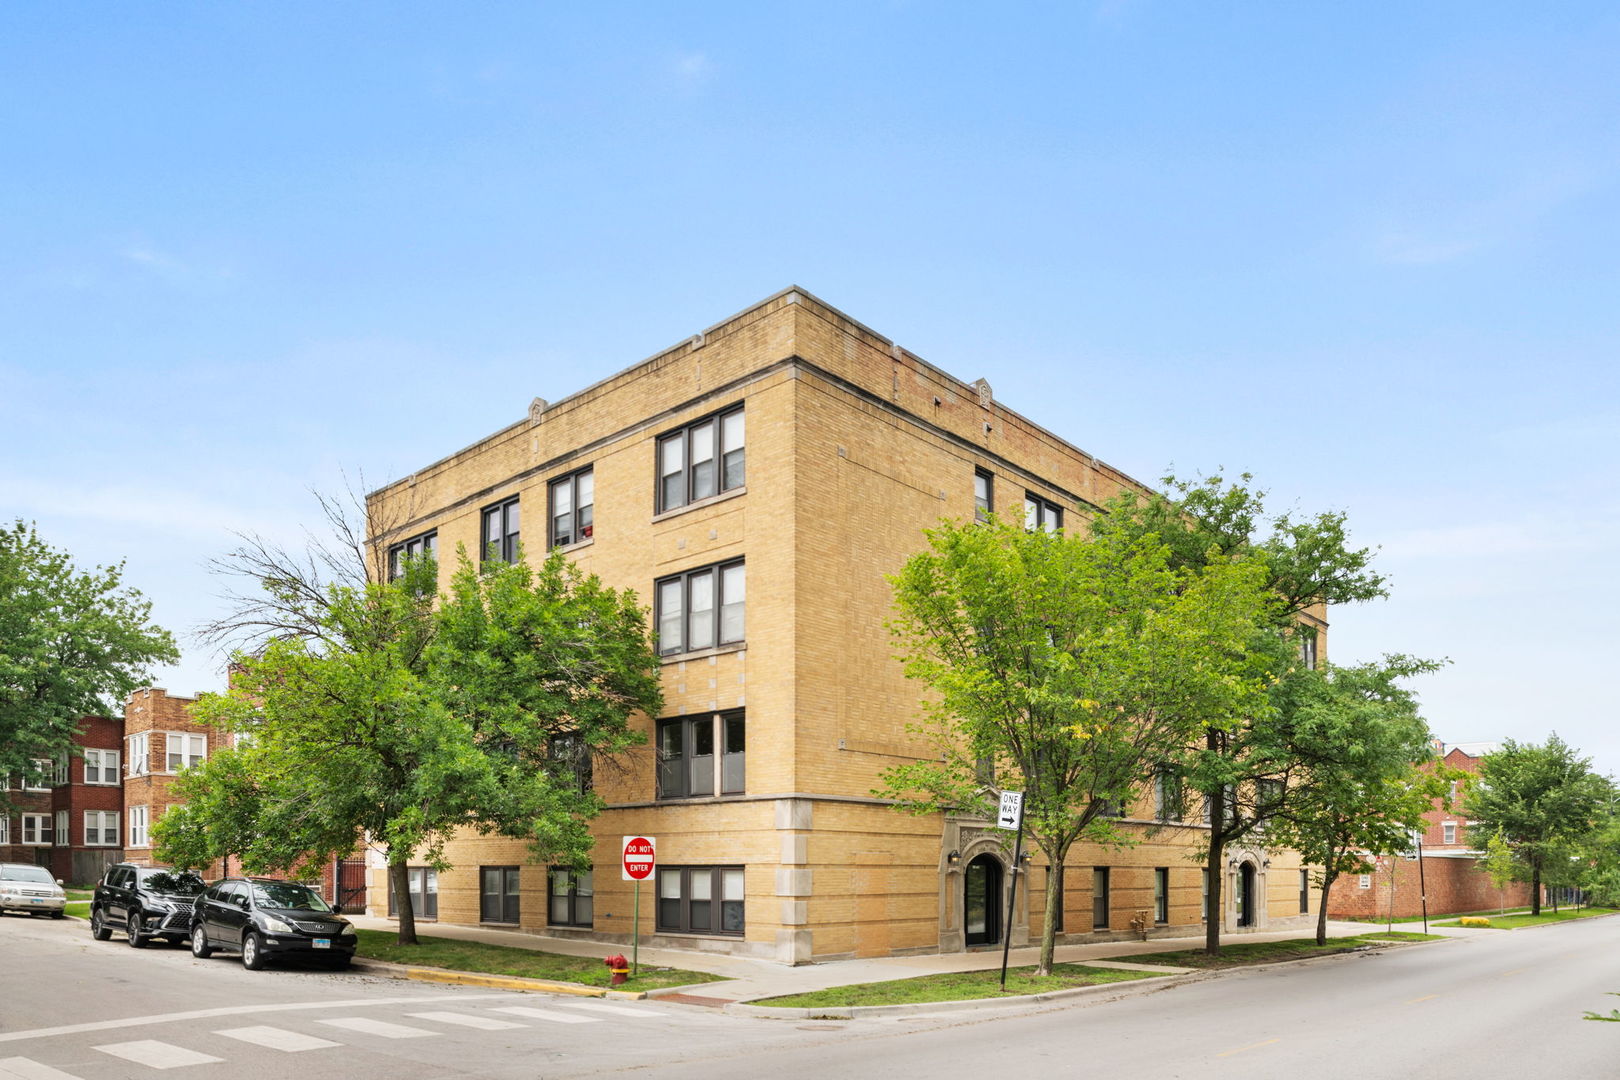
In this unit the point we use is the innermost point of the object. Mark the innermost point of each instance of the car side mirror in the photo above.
(59, 881)
(337, 909)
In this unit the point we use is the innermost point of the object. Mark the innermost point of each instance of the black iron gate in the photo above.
(351, 884)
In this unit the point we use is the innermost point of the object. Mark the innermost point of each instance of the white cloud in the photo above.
(693, 68)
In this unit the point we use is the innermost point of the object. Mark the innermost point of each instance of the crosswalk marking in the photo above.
(383, 1028)
(615, 1010)
(21, 1068)
(482, 1023)
(157, 1055)
(276, 1038)
(546, 1014)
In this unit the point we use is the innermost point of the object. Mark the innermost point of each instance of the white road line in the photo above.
(157, 1055)
(367, 1026)
(276, 1038)
(482, 1023)
(235, 1010)
(616, 1010)
(547, 1014)
(25, 1069)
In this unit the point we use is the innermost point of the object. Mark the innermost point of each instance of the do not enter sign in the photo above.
(639, 858)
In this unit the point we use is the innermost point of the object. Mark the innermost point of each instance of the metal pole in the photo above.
(1423, 887)
(1012, 898)
(635, 935)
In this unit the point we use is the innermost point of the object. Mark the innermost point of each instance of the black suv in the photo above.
(264, 917)
(146, 902)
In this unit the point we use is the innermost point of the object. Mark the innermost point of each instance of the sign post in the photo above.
(637, 863)
(1011, 816)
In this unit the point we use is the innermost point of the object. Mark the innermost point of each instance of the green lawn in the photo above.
(81, 908)
(523, 963)
(1513, 922)
(1491, 914)
(956, 986)
(78, 894)
(1244, 953)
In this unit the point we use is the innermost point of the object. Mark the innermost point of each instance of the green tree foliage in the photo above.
(1545, 800)
(1358, 742)
(1498, 864)
(72, 644)
(1243, 766)
(396, 720)
(1072, 664)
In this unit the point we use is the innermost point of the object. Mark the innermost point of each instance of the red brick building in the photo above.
(69, 822)
(1450, 873)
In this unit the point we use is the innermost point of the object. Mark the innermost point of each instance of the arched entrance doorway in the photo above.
(981, 901)
(1245, 895)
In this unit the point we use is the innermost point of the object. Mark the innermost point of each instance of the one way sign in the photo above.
(1012, 810)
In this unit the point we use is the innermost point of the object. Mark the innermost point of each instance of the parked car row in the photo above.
(29, 888)
(259, 918)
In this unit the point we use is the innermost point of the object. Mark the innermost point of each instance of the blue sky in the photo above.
(1371, 257)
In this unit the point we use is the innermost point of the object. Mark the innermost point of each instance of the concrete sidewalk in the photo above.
(746, 979)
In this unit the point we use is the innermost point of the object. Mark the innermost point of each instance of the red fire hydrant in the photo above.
(619, 966)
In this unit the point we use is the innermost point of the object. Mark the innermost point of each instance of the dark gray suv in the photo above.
(263, 917)
(147, 902)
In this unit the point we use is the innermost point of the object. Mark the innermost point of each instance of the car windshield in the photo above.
(296, 897)
(28, 873)
(172, 882)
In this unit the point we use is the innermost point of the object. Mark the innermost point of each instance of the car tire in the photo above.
(199, 943)
(137, 939)
(253, 952)
(98, 927)
(338, 963)
(58, 914)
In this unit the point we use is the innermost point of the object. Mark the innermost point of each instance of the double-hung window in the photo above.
(570, 760)
(700, 899)
(1042, 514)
(689, 603)
(701, 460)
(5, 829)
(101, 767)
(572, 898)
(1166, 795)
(422, 883)
(1304, 892)
(1161, 894)
(425, 546)
(63, 837)
(140, 753)
(572, 513)
(1099, 898)
(688, 765)
(1448, 832)
(500, 532)
(499, 900)
(1307, 647)
(101, 828)
(186, 750)
(37, 830)
(137, 826)
(44, 770)
(984, 495)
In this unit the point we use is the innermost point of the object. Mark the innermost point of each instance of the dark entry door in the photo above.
(1245, 895)
(981, 901)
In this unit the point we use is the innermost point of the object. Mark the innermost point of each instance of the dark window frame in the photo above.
(1169, 796)
(675, 915)
(424, 900)
(984, 505)
(582, 515)
(717, 573)
(571, 897)
(505, 544)
(508, 897)
(1099, 897)
(1304, 892)
(1161, 895)
(414, 548)
(1307, 646)
(729, 461)
(571, 760)
(686, 774)
(1042, 514)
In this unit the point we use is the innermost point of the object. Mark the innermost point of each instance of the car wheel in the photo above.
(252, 952)
(58, 914)
(137, 939)
(98, 927)
(199, 943)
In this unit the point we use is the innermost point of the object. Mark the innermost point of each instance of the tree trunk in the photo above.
(1321, 916)
(1217, 850)
(1535, 888)
(399, 879)
(1054, 902)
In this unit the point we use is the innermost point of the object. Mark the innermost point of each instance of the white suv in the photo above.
(32, 889)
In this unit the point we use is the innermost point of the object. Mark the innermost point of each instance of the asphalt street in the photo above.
(1499, 1004)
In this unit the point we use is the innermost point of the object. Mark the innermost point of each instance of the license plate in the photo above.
(36, 900)
(323, 943)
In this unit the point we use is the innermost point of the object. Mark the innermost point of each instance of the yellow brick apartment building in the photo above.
(754, 484)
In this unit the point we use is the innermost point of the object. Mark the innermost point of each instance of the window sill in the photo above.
(569, 548)
(688, 800)
(700, 503)
(699, 654)
(721, 934)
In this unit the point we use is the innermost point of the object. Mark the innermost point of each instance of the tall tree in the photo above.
(402, 720)
(1074, 665)
(72, 644)
(1364, 774)
(1544, 800)
(1244, 765)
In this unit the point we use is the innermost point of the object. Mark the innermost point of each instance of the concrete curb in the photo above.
(494, 982)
